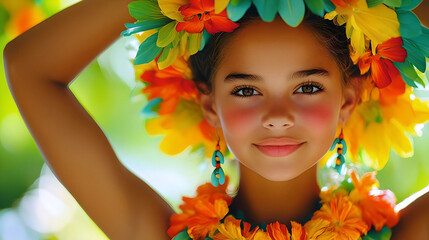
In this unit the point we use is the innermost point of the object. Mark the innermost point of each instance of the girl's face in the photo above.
(278, 97)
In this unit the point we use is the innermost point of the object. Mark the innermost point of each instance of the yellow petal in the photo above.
(172, 56)
(358, 42)
(194, 43)
(174, 143)
(376, 145)
(331, 15)
(183, 44)
(352, 134)
(220, 5)
(170, 8)
(153, 126)
(402, 144)
(384, 23)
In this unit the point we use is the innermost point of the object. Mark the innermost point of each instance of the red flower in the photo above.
(199, 15)
(382, 69)
(344, 3)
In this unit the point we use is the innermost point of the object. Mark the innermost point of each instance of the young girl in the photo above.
(275, 94)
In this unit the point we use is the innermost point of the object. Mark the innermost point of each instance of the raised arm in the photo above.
(39, 65)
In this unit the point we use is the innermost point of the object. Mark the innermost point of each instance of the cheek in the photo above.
(318, 116)
(239, 120)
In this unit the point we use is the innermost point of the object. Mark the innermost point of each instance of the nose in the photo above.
(278, 116)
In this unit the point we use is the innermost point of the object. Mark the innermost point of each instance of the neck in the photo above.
(266, 201)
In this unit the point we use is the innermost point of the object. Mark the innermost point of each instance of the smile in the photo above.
(278, 150)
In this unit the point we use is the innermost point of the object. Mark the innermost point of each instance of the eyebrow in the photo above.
(296, 75)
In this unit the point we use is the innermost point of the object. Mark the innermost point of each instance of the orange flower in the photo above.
(278, 231)
(337, 219)
(200, 14)
(231, 229)
(382, 69)
(202, 213)
(298, 231)
(170, 85)
(378, 207)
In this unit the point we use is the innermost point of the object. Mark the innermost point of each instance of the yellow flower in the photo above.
(183, 128)
(337, 219)
(356, 15)
(375, 128)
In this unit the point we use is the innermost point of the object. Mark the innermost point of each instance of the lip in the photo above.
(278, 141)
(278, 147)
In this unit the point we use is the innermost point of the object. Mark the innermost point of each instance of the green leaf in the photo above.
(144, 25)
(183, 235)
(164, 54)
(409, 5)
(329, 6)
(409, 24)
(292, 11)
(145, 10)
(172, 55)
(373, 3)
(422, 41)
(316, 7)
(393, 3)
(204, 39)
(166, 34)
(148, 50)
(384, 234)
(409, 74)
(151, 108)
(267, 9)
(414, 55)
(237, 9)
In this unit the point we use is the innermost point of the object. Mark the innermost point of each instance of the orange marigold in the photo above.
(201, 214)
(337, 219)
(231, 229)
(378, 206)
(278, 231)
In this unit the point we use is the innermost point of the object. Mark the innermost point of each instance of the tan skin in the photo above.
(41, 63)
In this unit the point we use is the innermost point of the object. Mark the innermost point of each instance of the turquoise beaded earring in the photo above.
(339, 162)
(218, 176)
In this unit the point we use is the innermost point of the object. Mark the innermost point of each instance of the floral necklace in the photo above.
(356, 209)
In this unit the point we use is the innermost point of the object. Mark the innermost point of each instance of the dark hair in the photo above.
(204, 64)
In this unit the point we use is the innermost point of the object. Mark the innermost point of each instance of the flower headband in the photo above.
(387, 42)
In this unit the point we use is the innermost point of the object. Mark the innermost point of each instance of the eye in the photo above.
(244, 91)
(309, 88)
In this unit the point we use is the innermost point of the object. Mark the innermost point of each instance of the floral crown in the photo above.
(387, 42)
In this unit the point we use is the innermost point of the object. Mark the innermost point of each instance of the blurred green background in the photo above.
(34, 205)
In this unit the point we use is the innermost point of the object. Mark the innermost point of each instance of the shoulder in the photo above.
(414, 217)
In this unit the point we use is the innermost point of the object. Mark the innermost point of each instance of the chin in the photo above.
(277, 175)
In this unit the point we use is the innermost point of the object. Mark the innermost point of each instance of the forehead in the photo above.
(274, 47)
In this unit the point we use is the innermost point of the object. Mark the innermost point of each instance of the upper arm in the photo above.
(78, 152)
(414, 220)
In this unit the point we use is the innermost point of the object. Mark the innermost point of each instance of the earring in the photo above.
(338, 163)
(218, 176)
